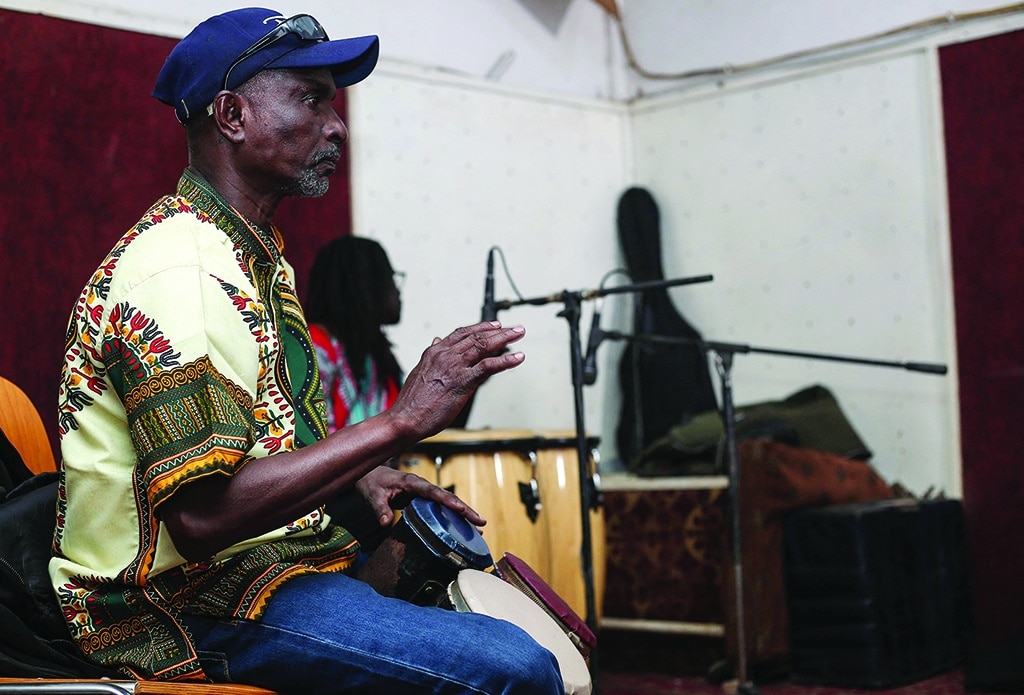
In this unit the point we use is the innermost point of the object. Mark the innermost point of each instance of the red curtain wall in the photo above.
(983, 108)
(85, 151)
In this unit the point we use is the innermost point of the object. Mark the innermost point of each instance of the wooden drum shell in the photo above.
(488, 468)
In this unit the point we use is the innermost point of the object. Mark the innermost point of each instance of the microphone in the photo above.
(596, 336)
(489, 312)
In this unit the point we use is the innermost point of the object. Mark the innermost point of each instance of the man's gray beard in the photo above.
(309, 184)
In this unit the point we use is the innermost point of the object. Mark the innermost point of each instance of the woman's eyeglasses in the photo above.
(399, 278)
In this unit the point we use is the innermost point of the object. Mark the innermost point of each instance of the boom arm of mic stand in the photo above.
(578, 295)
(740, 348)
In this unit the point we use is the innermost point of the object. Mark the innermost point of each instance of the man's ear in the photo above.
(227, 112)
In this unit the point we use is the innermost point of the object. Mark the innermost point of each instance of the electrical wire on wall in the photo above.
(904, 31)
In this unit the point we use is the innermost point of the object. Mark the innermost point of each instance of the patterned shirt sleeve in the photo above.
(189, 413)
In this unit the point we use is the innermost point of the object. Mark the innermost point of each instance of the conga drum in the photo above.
(426, 549)
(558, 479)
(496, 473)
(474, 591)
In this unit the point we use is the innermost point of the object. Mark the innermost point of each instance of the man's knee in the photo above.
(526, 666)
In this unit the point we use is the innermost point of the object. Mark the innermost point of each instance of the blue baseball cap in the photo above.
(226, 50)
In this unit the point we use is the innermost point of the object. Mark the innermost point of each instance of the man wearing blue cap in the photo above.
(191, 543)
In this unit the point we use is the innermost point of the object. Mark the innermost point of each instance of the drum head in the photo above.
(445, 531)
(479, 592)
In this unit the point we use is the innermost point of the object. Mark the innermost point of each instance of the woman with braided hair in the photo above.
(353, 293)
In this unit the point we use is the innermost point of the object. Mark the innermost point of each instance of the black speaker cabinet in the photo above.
(878, 592)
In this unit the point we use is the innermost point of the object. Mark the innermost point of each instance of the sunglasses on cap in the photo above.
(302, 25)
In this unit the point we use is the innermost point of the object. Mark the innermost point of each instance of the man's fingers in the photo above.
(490, 341)
(492, 333)
(453, 502)
(500, 363)
(473, 346)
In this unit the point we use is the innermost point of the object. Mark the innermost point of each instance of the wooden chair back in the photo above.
(20, 421)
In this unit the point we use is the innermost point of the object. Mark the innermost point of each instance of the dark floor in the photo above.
(638, 663)
(652, 684)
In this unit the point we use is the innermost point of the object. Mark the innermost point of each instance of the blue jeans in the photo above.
(331, 633)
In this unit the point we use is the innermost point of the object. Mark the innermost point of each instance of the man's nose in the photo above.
(335, 129)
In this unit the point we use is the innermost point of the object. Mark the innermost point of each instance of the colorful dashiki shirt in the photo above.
(187, 355)
(348, 400)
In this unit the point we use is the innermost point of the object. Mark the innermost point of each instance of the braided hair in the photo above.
(352, 293)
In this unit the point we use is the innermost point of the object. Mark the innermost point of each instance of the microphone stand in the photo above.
(589, 494)
(724, 353)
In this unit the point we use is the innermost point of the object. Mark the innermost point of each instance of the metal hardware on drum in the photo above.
(529, 493)
(424, 553)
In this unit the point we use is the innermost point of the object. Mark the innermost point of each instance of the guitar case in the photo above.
(662, 385)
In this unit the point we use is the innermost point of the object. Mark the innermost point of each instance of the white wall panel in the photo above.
(816, 203)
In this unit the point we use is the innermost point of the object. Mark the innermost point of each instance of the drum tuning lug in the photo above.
(596, 495)
(529, 495)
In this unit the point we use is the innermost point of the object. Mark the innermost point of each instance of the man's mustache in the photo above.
(332, 154)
